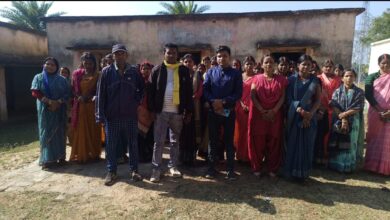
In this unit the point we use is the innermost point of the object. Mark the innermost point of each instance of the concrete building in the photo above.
(377, 48)
(21, 55)
(320, 33)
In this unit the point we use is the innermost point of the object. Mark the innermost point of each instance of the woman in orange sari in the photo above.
(329, 83)
(265, 128)
(86, 143)
(242, 110)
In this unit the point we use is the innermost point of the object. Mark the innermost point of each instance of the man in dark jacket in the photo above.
(171, 100)
(222, 88)
(119, 93)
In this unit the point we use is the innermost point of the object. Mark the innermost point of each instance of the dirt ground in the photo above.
(76, 191)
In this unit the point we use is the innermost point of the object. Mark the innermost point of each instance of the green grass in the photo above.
(18, 132)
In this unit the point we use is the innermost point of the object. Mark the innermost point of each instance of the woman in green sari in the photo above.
(52, 92)
(347, 130)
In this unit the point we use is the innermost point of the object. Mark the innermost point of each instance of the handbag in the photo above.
(338, 139)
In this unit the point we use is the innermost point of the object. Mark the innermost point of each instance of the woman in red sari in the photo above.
(377, 91)
(329, 83)
(242, 110)
(266, 119)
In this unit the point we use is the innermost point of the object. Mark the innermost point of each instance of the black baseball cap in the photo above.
(119, 47)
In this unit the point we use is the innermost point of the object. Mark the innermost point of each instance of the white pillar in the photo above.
(3, 97)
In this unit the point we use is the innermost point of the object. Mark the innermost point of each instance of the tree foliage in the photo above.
(380, 28)
(182, 7)
(28, 13)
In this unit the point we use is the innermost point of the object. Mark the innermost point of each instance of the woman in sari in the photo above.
(303, 99)
(329, 83)
(86, 143)
(265, 135)
(52, 92)
(242, 110)
(145, 119)
(283, 67)
(377, 91)
(347, 131)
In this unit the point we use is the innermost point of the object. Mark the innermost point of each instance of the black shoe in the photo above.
(211, 173)
(110, 178)
(135, 176)
(231, 175)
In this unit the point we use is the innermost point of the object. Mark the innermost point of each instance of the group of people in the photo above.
(278, 116)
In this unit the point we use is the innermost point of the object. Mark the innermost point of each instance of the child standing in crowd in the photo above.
(65, 72)
(266, 119)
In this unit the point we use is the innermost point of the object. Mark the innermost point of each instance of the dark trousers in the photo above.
(215, 122)
(128, 129)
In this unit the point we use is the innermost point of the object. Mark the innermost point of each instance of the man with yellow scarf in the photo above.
(171, 100)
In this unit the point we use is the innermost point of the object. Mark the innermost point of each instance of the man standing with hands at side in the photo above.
(171, 100)
(222, 88)
(119, 92)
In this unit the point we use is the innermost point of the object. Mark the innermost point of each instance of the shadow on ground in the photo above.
(258, 193)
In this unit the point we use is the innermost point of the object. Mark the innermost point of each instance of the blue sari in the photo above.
(300, 141)
(51, 125)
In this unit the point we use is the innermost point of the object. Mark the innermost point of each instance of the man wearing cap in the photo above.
(171, 100)
(119, 92)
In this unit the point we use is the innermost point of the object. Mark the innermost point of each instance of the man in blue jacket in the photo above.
(222, 88)
(119, 92)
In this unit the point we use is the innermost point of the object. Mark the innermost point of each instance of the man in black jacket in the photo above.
(171, 100)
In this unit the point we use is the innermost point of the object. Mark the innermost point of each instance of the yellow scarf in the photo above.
(176, 83)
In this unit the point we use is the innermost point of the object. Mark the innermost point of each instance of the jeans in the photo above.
(174, 122)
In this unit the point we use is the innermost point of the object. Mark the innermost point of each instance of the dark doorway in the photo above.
(290, 56)
(195, 56)
(18, 83)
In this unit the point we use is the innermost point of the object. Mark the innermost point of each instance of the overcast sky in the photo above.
(104, 8)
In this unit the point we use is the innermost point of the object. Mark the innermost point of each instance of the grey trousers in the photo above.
(163, 121)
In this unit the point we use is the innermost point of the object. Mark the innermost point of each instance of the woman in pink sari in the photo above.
(242, 110)
(266, 119)
(329, 83)
(377, 92)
